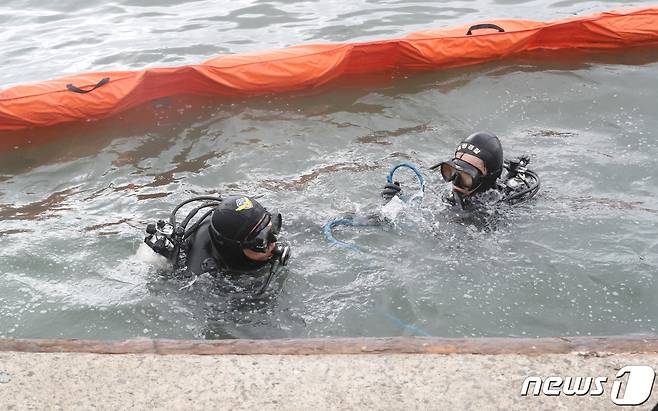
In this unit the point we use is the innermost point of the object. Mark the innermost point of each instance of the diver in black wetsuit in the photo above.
(237, 235)
(476, 174)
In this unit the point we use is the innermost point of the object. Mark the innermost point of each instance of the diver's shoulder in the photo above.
(199, 257)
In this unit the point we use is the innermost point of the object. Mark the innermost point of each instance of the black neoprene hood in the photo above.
(236, 216)
(487, 147)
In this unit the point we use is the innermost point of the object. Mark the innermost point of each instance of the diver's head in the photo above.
(243, 232)
(477, 163)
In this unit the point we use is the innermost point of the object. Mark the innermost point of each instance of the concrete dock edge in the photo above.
(396, 373)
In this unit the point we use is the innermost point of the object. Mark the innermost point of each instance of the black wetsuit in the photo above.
(200, 255)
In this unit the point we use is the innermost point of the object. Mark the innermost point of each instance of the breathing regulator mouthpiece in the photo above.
(281, 253)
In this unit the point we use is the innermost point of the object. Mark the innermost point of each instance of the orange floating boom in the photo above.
(99, 95)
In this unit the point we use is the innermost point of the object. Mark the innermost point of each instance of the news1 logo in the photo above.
(637, 391)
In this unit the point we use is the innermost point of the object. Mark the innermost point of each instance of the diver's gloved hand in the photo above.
(391, 190)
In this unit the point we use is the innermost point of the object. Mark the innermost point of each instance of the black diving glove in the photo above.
(391, 190)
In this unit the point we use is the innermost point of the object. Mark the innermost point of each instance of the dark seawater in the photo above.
(580, 259)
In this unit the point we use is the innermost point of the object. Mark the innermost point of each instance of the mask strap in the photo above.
(219, 235)
(260, 222)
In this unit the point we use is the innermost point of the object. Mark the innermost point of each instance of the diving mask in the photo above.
(263, 234)
(460, 173)
(266, 232)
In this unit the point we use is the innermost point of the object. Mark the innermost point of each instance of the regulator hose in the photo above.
(329, 235)
(527, 193)
(412, 167)
(349, 221)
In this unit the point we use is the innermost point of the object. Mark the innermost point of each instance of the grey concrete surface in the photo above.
(82, 381)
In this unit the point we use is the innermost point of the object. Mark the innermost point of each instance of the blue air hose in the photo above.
(415, 328)
(327, 230)
(349, 221)
(412, 167)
